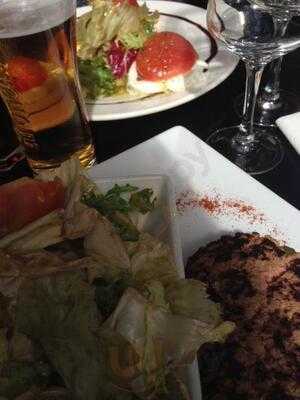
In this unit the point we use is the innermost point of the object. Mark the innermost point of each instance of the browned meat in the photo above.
(257, 284)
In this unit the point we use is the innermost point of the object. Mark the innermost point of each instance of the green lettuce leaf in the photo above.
(136, 40)
(154, 291)
(60, 313)
(18, 377)
(115, 206)
(151, 260)
(162, 340)
(105, 246)
(166, 323)
(115, 200)
(142, 201)
(189, 298)
(96, 78)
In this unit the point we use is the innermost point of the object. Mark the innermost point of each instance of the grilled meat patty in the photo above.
(257, 283)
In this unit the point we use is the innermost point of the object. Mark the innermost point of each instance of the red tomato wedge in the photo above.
(130, 2)
(25, 200)
(26, 73)
(165, 55)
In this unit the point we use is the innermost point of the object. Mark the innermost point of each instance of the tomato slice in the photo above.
(165, 55)
(25, 200)
(130, 2)
(26, 73)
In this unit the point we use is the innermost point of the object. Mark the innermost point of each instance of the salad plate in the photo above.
(214, 198)
(190, 22)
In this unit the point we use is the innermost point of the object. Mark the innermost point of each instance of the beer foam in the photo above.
(27, 17)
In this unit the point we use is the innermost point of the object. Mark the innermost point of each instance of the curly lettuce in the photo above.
(96, 78)
(108, 22)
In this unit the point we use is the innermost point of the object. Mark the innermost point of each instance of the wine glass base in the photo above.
(265, 153)
(267, 116)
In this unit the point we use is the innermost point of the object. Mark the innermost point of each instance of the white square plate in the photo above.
(198, 171)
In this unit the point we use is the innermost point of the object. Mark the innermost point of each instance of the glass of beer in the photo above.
(10, 150)
(39, 81)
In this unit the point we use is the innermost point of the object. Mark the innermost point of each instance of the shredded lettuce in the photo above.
(96, 30)
(107, 22)
(96, 78)
(136, 40)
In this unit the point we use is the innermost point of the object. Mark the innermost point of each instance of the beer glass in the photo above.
(10, 150)
(39, 81)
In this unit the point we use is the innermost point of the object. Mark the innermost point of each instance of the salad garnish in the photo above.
(116, 207)
(87, 313)
(109, 37)
(96, 78)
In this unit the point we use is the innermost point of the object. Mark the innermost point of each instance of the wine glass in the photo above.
(251, 33)
(274, 102)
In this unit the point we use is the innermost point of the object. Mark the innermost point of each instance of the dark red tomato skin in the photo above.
(165, 55)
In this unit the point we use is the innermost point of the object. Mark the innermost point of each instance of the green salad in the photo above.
(92, 308)
(109, 38)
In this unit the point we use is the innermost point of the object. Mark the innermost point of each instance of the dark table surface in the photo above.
(203, 115)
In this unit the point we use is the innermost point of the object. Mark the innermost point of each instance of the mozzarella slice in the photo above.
(176, 84)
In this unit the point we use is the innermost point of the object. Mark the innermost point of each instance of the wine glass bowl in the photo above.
(248, 31)
(280, 8)
(252, 33)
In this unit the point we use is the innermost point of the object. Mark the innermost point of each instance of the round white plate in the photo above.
(220, 67)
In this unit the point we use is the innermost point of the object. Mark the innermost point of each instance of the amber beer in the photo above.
(39, 81)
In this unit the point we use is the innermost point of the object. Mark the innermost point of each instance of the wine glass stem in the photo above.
(245, 140)
(270, 98)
